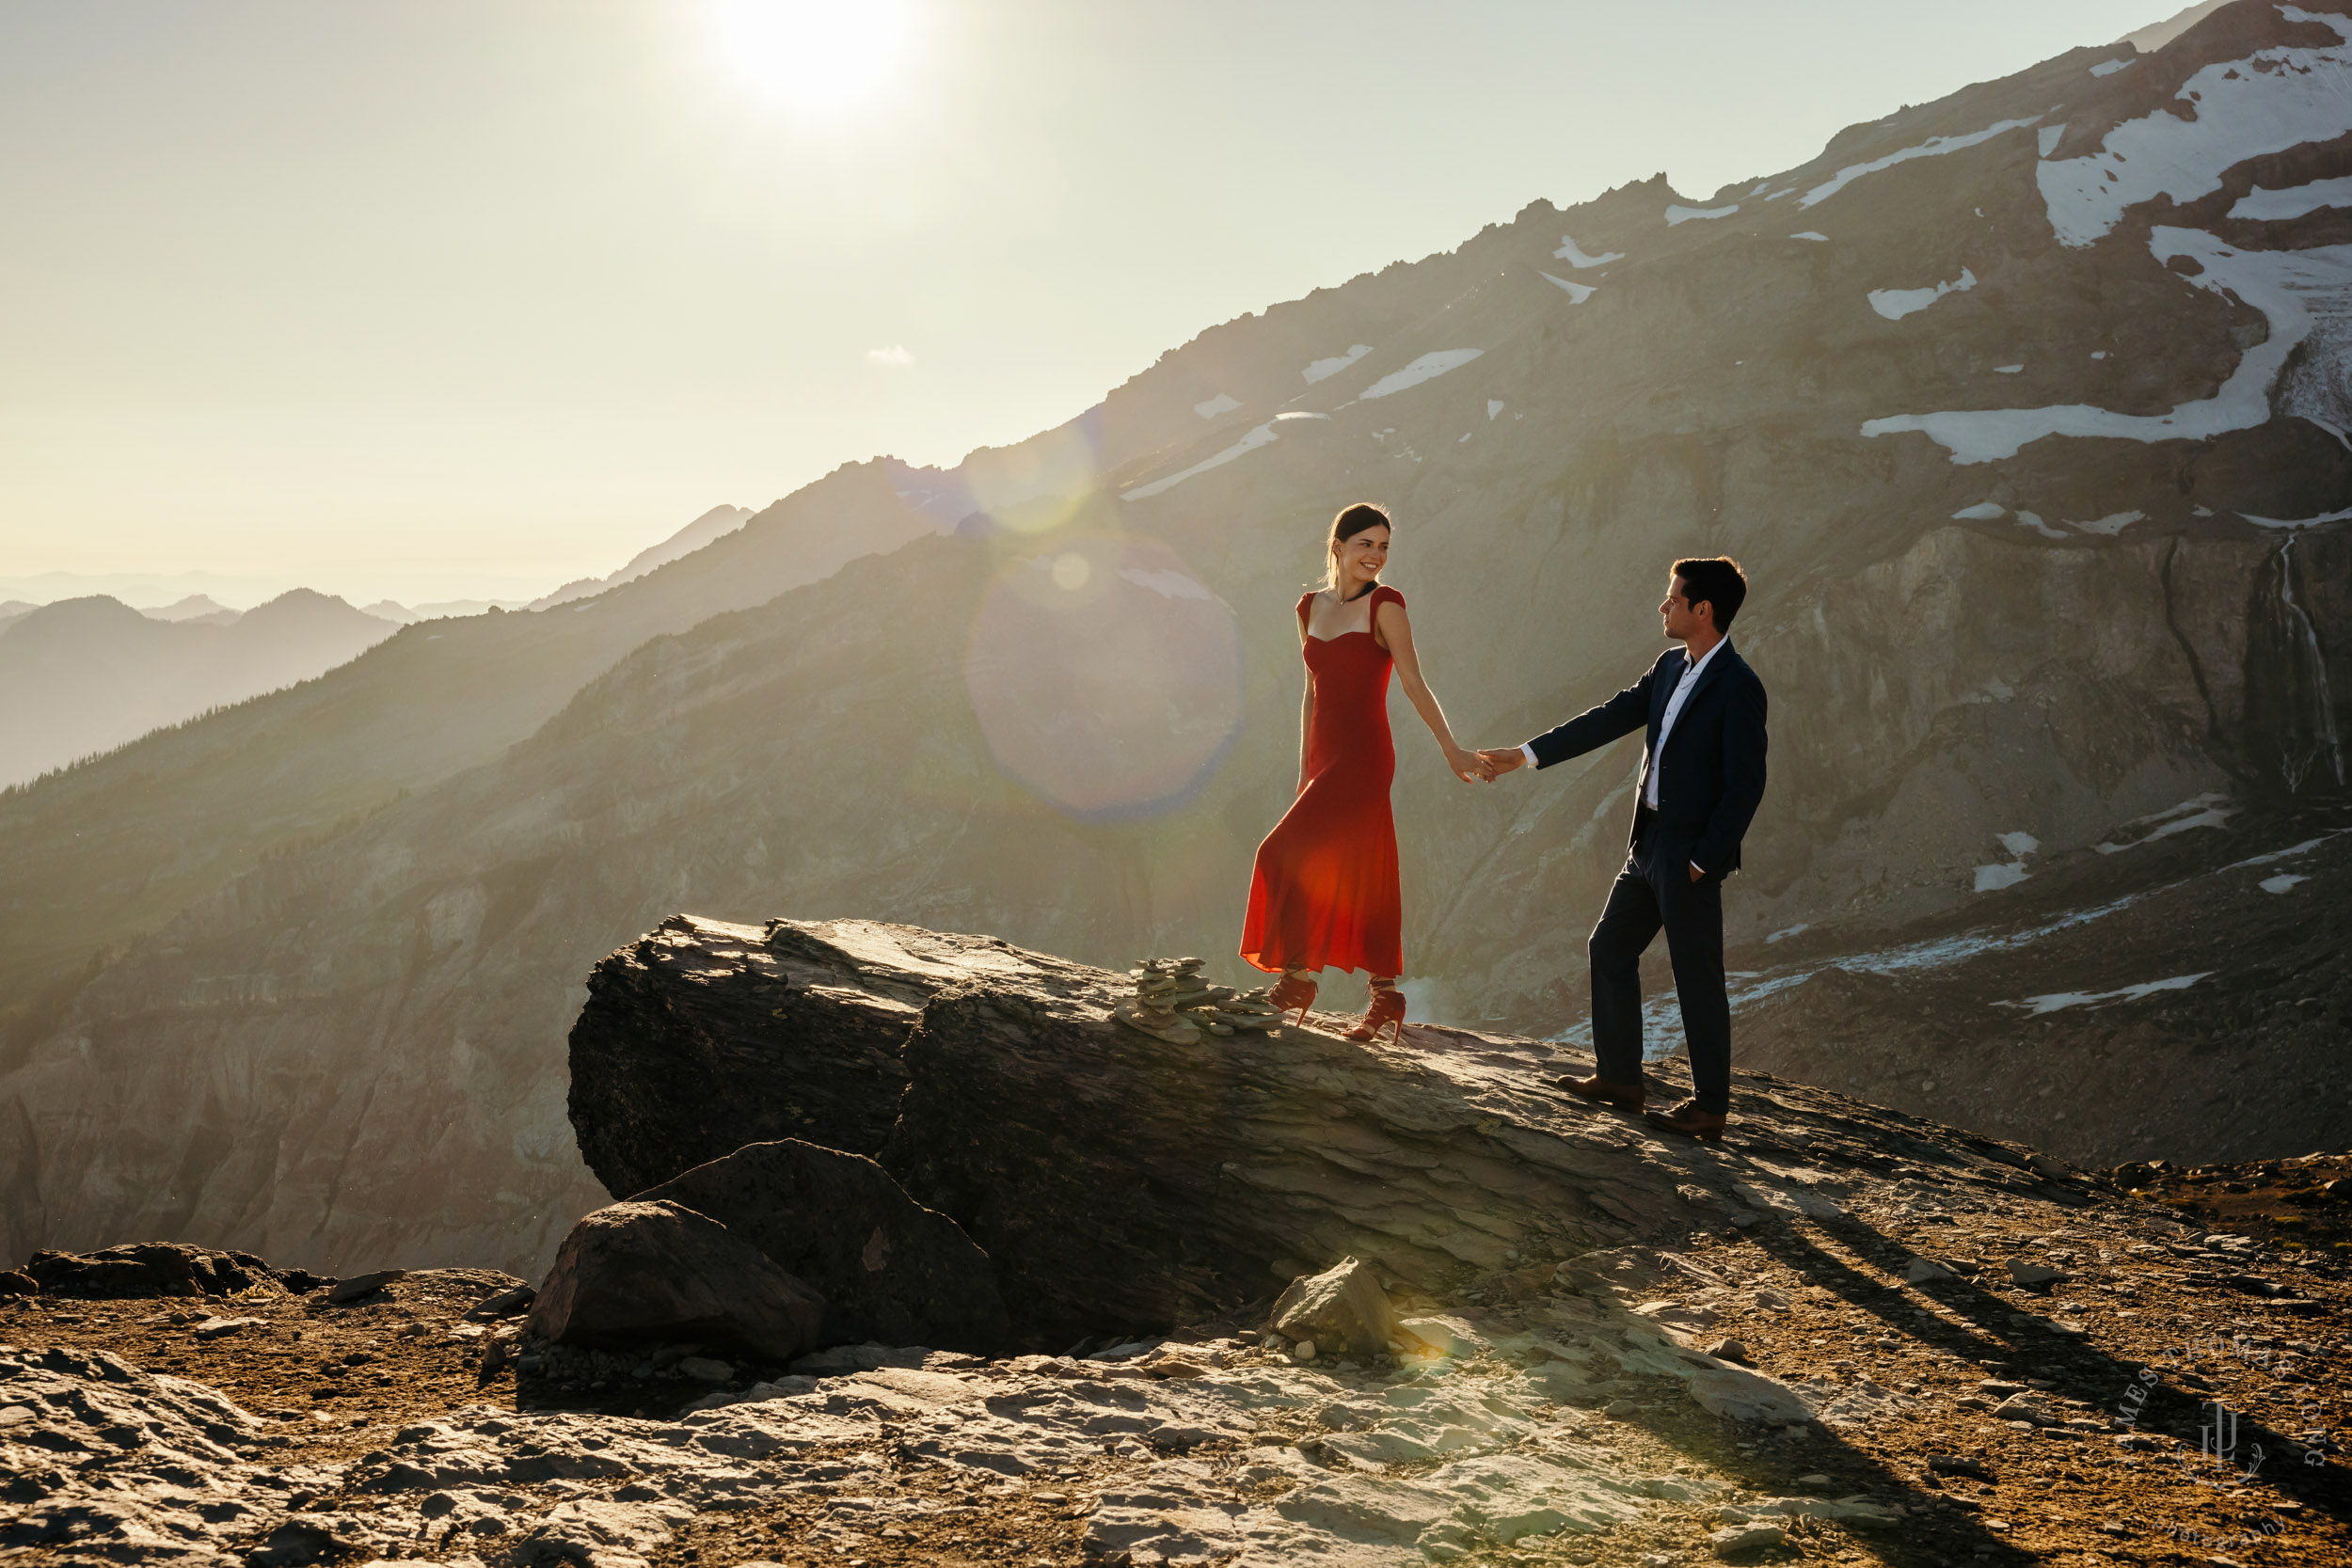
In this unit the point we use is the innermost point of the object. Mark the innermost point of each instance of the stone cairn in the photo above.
(1172, 1003)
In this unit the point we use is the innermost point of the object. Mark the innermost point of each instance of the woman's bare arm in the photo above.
(1306, 713)
(1394, 630)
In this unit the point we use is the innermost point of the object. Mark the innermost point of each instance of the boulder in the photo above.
(1737, 1394)
(1341, 1308)
(1441, 1336)
(148, 1269)
(1925, 1269)
(890, 1270)
(361, 1285)
(1739, 1539)
(645, 1271)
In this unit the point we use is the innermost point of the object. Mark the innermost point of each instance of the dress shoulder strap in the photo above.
(1306, 605)
(1384, 592)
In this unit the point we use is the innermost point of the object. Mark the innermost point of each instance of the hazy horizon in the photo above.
(453, 302)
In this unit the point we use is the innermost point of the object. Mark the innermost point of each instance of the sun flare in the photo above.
(820, 56)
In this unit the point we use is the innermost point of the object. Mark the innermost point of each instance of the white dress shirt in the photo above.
(1674, 711)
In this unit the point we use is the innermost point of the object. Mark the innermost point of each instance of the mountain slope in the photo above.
(716, 523)
(2003, 441)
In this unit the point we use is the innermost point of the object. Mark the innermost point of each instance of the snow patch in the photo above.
(2295, 289)
(2027, 519)
(1984, 512)
(1427, 367)
(1222, 403)
(1573, 256)
(2056, 1000)
(1895, 304)
(2280, 883)
(2273, 99)
(1494, 406)
(2047, 138)
(2298, 522)
(1935, 147)
(2110, 525)
(2108, 68)
(1810, 234)
(2200, 811)
(2009, 369)
(1260, 435)
(1992, 878)
(1578, 292)
(1684, 214)
(1797, 930)
(2294, 201)
(1322, 369)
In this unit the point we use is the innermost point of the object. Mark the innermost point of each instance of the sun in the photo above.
(819, 57)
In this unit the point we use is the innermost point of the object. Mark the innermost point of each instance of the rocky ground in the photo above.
(1954, 1369)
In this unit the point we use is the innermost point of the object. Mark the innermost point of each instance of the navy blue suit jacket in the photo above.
(1713, 774)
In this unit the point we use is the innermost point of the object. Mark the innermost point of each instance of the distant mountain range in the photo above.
(83, 680)
(2030, 411)
(83, 677)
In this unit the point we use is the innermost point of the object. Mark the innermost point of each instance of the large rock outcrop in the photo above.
(1117, 1179)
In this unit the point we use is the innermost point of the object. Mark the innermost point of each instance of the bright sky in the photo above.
(439, 297)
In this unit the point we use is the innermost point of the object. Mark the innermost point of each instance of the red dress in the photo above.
(1324, 894)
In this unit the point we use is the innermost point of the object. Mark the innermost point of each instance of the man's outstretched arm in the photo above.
(1621, 715)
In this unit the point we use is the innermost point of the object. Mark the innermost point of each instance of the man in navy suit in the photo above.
(1702, 778)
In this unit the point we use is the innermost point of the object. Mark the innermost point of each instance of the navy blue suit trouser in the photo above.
(1655, 891)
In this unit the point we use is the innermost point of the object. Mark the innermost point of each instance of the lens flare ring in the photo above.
(1106, 677)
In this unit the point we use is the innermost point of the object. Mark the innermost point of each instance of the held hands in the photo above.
(1468, 766)
(1501, 760)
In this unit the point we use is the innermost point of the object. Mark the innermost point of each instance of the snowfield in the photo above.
(1322, 369)
(1895, 304)
(1935, 147)
(2272, 101)
(1427, 367)
(2295, 289)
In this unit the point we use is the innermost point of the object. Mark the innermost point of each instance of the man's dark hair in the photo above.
(1716, 581)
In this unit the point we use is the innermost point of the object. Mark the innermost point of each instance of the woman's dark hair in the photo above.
(1717, 580)
(1348, 525)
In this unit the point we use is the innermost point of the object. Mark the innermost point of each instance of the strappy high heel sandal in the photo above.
(1386, 1011)
(1292, 990)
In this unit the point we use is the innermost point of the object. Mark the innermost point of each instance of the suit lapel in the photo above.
(1698, 688)
(1706, 677)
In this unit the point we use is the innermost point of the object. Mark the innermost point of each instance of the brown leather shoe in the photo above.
(1625, 1097)
(1689, 1121)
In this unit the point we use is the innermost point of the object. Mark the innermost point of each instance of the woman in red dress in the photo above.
(1324, 894)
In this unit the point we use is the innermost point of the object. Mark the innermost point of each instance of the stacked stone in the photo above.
(1160, 985)
(1174, 1003)
(1247, 1012)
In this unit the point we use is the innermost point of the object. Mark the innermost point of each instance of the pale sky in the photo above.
(475, 296)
